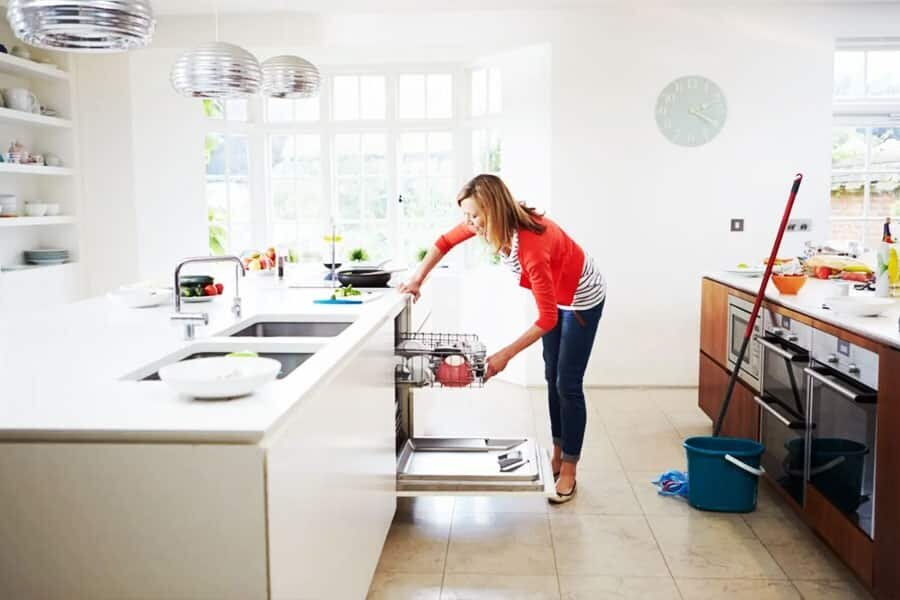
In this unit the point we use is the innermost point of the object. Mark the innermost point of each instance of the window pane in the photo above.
(440, 154)
(239, 197)
(874, 231)
(441, 199)
(238, 161)
(885, 152)
(440, 96)
(412, 97)
(495, 91)
(217, 196)
(375, 198)
(372, 104)
(847, 196)
(847, 231)
(307, 109)
(346, 98)
(374, 154)
(848, 148)
(884, 200)
(479, 151)
(494, 152)
(412, 154)
(849, 74)
(215, 154)
(284, 234)
(236, 109)
(310, 193)
(281, 149)
(284, 200)
(479, 92)
(415, 198)
(883, 77)
(279, 110)
(241, 239)
(308, 155)
(369, 237)
(346, 153)
(349, 205)
(213, 108)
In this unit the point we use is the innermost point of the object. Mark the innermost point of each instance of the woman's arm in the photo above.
(430, 261)
(497, 362)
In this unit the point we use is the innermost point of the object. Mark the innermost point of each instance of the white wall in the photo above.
(654, 215)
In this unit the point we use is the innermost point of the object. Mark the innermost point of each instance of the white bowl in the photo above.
(859, 306)
(220, 376)
(35, 209)
(52, 209)
(140, 297)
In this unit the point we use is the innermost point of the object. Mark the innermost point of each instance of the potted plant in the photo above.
(421, 253)
(359, 255)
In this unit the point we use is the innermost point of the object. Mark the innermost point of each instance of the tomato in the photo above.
(219, 288)
(210, 290)
(823, 272)
(849, 276)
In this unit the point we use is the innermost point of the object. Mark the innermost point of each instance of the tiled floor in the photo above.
(617, 539)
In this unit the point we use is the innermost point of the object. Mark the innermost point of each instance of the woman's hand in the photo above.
(496, 363)
(411, 287)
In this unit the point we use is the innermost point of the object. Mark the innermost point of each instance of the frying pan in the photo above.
(366, 276)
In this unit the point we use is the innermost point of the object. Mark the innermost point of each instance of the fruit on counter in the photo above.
(823, 272)
(270, 254)
(851, 276)
(219, 288)
(260, 261)
(254, 265)
(893, 268)
(210, 290)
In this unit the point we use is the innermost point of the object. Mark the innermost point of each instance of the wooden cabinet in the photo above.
(847, 540)
(742, 419)
(886, 577)
(714, 321)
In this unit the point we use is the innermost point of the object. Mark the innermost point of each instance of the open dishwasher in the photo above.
(455, 465)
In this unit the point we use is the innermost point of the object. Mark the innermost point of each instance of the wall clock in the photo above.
(691, 111)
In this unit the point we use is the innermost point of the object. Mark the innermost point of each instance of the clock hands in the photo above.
(697, 113)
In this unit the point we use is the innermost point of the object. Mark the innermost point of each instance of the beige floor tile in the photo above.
(657, 452)
(674, 399)
(690, 423)
(598, 454)
(797, 550)
(648, 422)
(425, 505)
(618, 588)
(416, 543)
(605, 545)
(770, 504)
(706, 545)
(652, 503)
(601, 493)
(405, 586)
(500, 504)
(832, 590)
(737, 589)
(500, 543)
(604, 400)
(500, 587)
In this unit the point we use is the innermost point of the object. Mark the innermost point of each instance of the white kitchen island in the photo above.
(111, 487)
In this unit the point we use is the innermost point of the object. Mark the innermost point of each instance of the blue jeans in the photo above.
(567, 348)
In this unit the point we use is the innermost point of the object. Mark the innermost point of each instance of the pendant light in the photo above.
(216, 70)
(289, 77)
(82, 25)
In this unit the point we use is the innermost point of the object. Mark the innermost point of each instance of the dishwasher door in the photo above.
(473, 464)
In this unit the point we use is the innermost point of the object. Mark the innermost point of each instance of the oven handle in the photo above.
(834, 386)
(782, 352)
(772, 411)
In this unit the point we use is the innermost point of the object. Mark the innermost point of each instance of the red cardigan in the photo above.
(551, 265)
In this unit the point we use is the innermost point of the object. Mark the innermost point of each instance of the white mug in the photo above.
(21, 99)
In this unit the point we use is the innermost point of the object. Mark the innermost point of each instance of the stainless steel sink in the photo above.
(289, 361)
(293, 329)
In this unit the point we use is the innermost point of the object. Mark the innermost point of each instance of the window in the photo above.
(426, 96)
(486, 107)
(426, 187)
(286, 110)
(361, 183)
(297, 207)
(228, 192)
(865, 178)
(486, 92)
(226, 110)
(359, 97)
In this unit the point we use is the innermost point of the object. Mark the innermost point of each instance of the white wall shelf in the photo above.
(36, 221)
(15, 270)
(8, 115)
(34, 169)
(13, 65)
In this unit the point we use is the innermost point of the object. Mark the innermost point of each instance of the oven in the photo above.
(784, 354)
(739, 313)
(842, 396)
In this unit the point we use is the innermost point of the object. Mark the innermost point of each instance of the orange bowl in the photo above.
(788, 284)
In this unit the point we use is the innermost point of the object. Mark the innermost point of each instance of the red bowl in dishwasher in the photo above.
(454, 371)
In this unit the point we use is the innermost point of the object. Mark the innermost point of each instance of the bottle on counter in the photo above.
(280, 265)
(886, 236)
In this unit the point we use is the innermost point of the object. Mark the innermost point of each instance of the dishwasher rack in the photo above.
(440, 360)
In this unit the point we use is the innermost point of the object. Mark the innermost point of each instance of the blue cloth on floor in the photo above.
(672, 483)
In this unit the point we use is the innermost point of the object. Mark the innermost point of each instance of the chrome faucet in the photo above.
(192, 319)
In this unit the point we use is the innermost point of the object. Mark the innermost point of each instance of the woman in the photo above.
(569, 292)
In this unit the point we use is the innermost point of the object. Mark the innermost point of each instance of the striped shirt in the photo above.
(591, 290)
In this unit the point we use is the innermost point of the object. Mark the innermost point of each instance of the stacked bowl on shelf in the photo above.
(46, 256)
(8, 205)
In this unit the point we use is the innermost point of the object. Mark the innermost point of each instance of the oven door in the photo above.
(782, 432)
(841, 461)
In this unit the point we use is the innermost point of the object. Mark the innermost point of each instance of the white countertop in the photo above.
(61, 369)
(809, 299)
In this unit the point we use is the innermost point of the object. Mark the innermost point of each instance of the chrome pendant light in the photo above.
(289, 77)
(216, 70)
(82, 25)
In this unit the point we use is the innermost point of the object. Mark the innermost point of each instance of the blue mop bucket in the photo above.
(723, 473)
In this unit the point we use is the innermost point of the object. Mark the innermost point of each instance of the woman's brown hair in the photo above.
(503, 214)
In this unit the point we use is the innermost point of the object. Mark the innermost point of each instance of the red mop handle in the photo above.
(768, 273)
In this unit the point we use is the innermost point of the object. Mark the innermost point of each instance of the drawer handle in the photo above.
(742, 465)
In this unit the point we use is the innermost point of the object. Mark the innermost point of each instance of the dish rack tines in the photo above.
(441, 360)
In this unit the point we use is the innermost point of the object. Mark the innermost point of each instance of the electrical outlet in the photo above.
(737, 225)
(800, 225)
